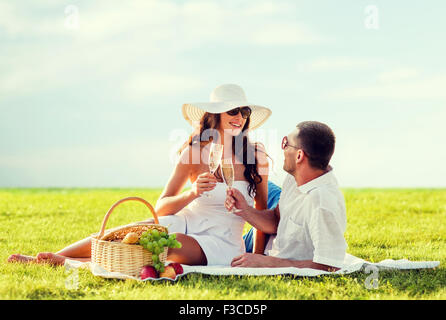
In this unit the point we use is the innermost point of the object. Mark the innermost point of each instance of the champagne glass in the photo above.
(215, 154)
(227, 169)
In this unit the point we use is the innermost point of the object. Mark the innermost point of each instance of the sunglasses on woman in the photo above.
(245, 111)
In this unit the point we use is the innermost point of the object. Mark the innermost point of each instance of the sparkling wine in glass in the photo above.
(227, 170)
(215, 154)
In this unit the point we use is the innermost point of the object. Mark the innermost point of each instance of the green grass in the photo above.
(382, 224)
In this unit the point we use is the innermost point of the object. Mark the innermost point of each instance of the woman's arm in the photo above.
(250, 260)
(261, 198)
(171, 200)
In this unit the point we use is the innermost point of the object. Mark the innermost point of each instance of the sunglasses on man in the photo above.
(245, 111)
(286, 144)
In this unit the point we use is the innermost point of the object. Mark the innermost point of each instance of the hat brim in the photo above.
(193, 112)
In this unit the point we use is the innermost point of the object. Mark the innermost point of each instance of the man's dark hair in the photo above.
(318, 142)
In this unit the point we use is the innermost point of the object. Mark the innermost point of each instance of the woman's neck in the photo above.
(226, 141)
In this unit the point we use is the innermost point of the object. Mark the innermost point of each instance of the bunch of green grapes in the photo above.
(155, 242)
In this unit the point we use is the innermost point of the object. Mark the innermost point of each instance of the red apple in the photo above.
(148, 272)
(178, 267)
(169, 272)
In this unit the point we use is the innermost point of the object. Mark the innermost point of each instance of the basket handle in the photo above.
(104, 222)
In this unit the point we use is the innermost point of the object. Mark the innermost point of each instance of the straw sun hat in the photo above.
(224, 98)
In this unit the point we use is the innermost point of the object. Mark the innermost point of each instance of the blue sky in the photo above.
(99, 105)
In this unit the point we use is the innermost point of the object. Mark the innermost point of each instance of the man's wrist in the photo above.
(247, 211)
(274, 262)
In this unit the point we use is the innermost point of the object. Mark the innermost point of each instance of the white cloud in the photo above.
(142, 85)
(412, 158)
(395, 83)
(113, 39)
(195, 21)
(18, 20)
(432, 87)
(257, 23)
(324, 64)
(285, 33)
(267, 8)
(145, 47)
(398, 75)
(123, 163)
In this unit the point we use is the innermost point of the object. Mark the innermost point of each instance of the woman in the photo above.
(210, 235)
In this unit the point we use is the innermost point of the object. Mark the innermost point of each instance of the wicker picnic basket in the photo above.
(114, 256)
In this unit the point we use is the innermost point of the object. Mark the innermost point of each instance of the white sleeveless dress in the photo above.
(206, 219)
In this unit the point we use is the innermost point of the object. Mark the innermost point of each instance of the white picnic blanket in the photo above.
(351, 264)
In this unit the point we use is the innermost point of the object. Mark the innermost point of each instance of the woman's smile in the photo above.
(235, 125)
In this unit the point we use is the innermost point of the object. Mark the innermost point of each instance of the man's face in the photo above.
(290, 152)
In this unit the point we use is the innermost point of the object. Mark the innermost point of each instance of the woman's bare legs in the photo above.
(80, 250)
(190, 252)
(21, 258)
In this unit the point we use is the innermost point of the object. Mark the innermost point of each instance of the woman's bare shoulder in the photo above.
(261, 154)
(190, 155)
(191, 159)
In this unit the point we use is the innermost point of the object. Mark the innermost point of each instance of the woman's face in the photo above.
(232, 125)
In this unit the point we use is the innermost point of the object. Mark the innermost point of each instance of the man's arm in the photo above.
(258, 260)
(263, 220)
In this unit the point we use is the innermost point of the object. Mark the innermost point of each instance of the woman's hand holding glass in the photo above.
(205, 182)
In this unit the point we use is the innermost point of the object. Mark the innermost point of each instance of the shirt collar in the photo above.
(326, 178)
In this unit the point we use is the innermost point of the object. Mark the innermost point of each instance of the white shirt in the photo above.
(312, 222)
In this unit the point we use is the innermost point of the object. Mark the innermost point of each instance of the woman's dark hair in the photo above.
(206, 133)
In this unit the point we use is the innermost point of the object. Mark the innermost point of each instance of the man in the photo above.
(310, 220)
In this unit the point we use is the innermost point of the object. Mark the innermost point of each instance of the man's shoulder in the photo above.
(328, 197)
(289, 182)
